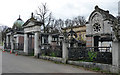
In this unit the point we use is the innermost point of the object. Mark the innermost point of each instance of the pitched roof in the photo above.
(32, 19)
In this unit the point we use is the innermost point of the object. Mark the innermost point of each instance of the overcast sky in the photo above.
(11, 9)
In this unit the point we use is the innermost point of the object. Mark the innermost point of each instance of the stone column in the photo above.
(3, 44)
(65, 51)
(12, 43)
(6, 40)
(36, 44)
(26, 44)
(49, 39)
(116, 53)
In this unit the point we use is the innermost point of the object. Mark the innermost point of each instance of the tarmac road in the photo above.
(28, 64)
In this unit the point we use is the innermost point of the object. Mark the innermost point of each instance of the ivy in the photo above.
(53, 54)
(92, 55)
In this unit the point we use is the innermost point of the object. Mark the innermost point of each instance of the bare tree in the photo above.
(44, 15)
(3, 32)
(57, 23)
(79, 20)
(60, 24)
(53, 23)
(69, 23)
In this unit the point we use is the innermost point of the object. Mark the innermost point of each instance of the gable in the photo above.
(98, 23)
(29, 24)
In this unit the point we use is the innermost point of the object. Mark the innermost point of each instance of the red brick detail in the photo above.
(21, 39)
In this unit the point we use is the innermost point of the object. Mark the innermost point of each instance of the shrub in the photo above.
(92, 55)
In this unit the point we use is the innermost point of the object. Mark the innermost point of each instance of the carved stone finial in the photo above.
(19, 16)
(32, 15)
(107, 11)
(96, 7)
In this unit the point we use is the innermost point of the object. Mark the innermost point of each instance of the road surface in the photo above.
(28, 64)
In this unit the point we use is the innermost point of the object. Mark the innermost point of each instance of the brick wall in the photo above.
(21, 39)
(88, 41)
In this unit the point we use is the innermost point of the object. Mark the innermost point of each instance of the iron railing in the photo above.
(93, 54)
(18, 46)
(7, 45)
(49, 50)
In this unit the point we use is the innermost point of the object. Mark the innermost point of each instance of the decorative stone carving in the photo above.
(97, 27)
(96, 23)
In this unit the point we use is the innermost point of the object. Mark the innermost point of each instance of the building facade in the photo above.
(14, 36)
(80, 30)
(99, 29)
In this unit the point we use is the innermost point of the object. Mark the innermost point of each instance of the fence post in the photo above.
(116, 54)
(64, 51)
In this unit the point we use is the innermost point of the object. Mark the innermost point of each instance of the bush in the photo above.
(53, 54)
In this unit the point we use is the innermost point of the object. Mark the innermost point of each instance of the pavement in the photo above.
(29, 64)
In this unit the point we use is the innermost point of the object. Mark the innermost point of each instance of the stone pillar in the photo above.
(12, 43)
(116, 53)
(49, 39)
(65, 51)
(6, 40)
(26, 44)
(36, 44)
(3, 44)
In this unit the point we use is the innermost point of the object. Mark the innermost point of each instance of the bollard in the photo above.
(10, 52)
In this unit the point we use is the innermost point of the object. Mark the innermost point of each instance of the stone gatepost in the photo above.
(6, 39)
(12, 46)
(116, 54)
(26, 44)
(65, 51)
(32, 26)
(36, 44)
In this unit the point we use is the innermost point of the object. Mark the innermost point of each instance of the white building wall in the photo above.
(107, 28)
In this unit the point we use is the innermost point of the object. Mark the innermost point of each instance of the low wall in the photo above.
(104, 67)
(56, 59)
